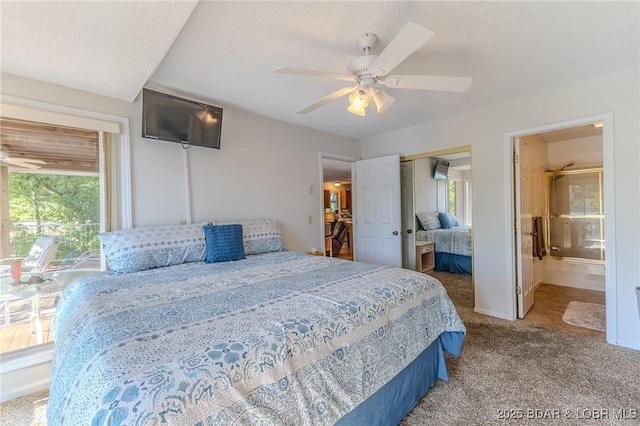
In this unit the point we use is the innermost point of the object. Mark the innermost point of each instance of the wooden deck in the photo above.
(19, 336)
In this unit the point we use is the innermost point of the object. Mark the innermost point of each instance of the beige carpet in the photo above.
(586, 315)
(506, 370)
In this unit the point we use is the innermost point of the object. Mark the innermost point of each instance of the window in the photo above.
(459, 198)
(115, 195)
(333, 202)
(67, 185)
(575, 208)
(51, 221)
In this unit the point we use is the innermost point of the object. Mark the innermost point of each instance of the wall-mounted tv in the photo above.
(173, 119)
(441, 170)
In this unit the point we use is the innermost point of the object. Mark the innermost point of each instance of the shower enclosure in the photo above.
(575, 214)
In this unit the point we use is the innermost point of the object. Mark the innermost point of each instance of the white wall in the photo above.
(585, 152)
(263, 169)
(485, 130)
(425, 186)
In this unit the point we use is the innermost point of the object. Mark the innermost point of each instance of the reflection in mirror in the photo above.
(442, 209)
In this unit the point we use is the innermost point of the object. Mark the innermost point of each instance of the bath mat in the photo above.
(586, 315)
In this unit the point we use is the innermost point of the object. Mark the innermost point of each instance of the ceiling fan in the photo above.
(370, 72)
(27, 163)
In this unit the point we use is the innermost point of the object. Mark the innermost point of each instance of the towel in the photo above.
(539, 249)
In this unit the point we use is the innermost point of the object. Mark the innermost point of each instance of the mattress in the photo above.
(278, 338)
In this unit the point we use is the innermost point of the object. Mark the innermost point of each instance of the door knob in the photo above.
(395, 232)
(409, 231)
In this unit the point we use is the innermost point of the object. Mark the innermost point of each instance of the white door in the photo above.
(377, 211)
(408, 218)
(523, 227)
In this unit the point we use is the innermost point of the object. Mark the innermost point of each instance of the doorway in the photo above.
(337, 206)
(560, 178)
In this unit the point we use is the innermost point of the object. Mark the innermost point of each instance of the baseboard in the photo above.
(491, 314)
(17, 392)
(629, 344)
(25, 371)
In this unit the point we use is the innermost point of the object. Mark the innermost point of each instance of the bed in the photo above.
(273, 338)
(451, 241)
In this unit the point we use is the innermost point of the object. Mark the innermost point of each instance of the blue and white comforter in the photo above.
(455, 240)
(280, 338)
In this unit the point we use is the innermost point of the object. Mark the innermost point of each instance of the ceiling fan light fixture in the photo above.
(356, 111)
(382, 101)
(358, 102)
(359, 99)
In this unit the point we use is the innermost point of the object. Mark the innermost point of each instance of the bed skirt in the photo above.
(455, 263)
(394, 400)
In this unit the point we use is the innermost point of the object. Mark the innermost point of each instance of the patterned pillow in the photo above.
(138, 249)
(224, 243)
(261, 236)
(429, 220)
(448, 220)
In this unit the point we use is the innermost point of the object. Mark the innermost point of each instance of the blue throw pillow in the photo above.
(448, 220)
(223, 243)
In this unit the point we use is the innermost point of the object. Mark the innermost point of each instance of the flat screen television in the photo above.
(173, 119)
(441, 170)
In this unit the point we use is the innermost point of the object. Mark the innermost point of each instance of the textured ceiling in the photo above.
(106, 47)
(226, 51)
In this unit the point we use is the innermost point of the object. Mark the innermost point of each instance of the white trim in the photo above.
(509, 215)
(609, 189)
(187, 183)
(102, 183)
(611, 285)
(50, 117)
(125, 170)
(26, 357)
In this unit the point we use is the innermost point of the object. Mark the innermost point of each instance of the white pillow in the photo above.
(429, 220)
(261, 236)
(138, 249)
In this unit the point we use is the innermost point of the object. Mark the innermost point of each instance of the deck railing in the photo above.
(75, 238)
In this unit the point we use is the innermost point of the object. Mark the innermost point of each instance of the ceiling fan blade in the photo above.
(428, 82)
(408, 40)
(332, 97)
(314, 73)
(24, 164)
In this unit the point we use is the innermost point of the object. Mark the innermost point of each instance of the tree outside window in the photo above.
(451, 193)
